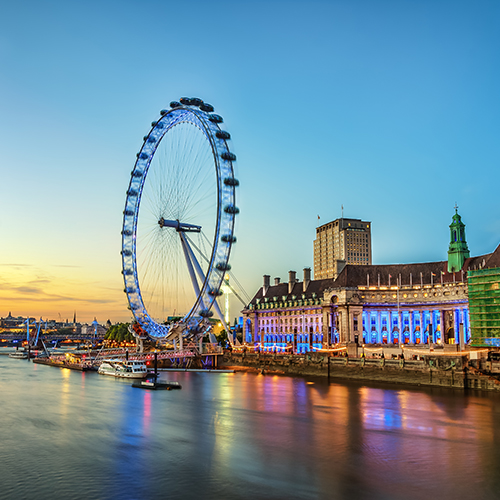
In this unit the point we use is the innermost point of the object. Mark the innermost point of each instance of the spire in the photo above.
(458, 251)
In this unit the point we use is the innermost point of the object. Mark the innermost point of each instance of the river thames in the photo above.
(75, 435)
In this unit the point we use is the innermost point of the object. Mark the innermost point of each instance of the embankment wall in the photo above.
(442, 371)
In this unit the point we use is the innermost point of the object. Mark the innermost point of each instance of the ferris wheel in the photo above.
(178, 222)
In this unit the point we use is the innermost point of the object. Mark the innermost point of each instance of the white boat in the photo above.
(19, 355)
(123, 368)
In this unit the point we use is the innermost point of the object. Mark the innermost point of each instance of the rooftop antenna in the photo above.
(342, 208)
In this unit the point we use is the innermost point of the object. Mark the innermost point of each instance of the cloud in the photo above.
(15, 265)
(51, 299)
(39, 281)
(26, 289)
(14, 292)
(64, 265)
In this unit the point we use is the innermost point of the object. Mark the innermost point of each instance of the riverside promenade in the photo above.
(417, 366)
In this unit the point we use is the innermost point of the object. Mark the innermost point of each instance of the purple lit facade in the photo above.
(391, 304)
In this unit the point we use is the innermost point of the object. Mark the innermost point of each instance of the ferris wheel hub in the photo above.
(180, 227)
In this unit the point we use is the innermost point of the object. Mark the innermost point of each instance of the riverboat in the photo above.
(60, 362)
(19, 355)
(123, 368)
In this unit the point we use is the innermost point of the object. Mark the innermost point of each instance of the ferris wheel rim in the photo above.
(226, 210)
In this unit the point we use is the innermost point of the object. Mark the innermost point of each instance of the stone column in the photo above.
(424, 326)
(331, 323)
(431, 327)
(363, 323)
(400, 328)
(389, 327)
(421, 326)
(325, 327)
(369, 326)
(441, 326)
(339, 326)
(344, 325)
(379, 327)
(465, 316)
(255, 327)
(410, 326)
(456, 323)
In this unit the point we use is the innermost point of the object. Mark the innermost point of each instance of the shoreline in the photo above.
(454, 372)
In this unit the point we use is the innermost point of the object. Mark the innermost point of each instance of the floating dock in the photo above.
(199, 370)
(147, 384)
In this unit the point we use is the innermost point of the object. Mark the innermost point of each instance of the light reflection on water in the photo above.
(243, 436)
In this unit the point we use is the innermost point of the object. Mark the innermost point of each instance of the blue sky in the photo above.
(389, 108)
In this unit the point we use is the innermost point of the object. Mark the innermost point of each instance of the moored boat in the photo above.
(123, 368)
(19, 355)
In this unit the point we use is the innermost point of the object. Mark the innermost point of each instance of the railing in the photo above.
(50, 336)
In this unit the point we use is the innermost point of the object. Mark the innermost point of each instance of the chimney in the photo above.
(291, 281)
(277, 281)
(307, 278)
(265, 288)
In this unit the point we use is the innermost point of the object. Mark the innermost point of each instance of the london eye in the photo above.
(178, 222)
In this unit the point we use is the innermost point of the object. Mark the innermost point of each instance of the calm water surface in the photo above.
(78, 435)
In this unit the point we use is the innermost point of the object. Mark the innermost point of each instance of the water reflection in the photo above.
(241, 436)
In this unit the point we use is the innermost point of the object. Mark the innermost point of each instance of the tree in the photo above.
(119, 333)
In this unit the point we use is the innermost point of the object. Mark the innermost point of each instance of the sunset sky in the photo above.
(389, 108)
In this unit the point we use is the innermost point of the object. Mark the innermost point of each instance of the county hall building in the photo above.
(356, 302)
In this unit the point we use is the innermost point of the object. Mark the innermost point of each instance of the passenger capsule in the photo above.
(215, 293)
(228, 238)
(215, 118)
(127, 232)
(196, 102)
(231, 209)
(228, 156)
(128, 212)
(231, 181)
(222, 266)
(175, 104)
(127, 253)
(206, 313)
(153, 124)
(132, 192)
(186, 101)
(163, 112)
(207, 107)
(222, 134)
(151, 139)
